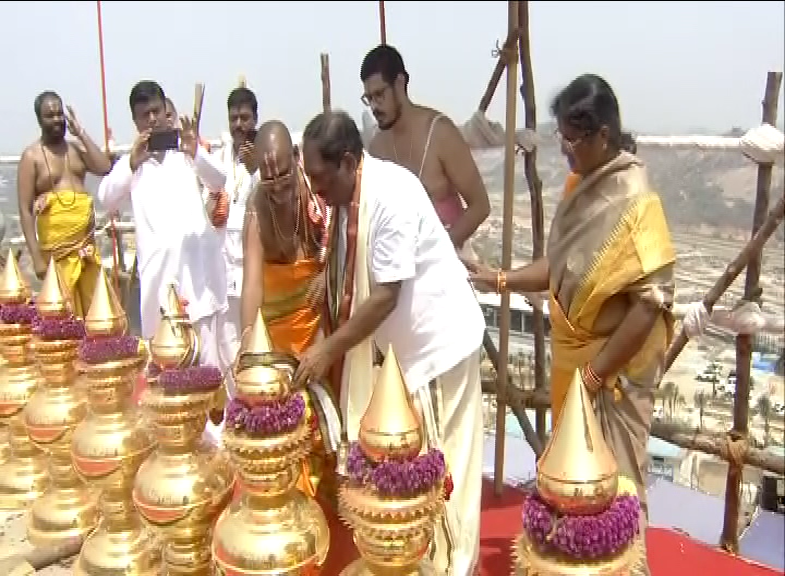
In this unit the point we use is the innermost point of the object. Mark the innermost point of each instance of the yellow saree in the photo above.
(65, 227)
(609, 245)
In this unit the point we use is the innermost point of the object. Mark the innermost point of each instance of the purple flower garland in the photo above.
(267, 419)
(396, 479)
(107, 349)
(63, 328)
(190, 380)
(25, 314)
(583, 537)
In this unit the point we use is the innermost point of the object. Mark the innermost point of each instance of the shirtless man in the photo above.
(426, 142)
(55, 210)
(283, 259)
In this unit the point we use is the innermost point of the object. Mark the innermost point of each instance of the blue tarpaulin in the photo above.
(764, 540)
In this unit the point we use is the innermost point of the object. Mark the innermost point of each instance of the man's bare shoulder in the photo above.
(378, 145)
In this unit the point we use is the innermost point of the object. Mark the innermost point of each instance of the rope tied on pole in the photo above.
(734, 448)
(508, 52)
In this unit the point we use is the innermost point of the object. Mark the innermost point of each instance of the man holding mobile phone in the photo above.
(238, 161)
(174, 237)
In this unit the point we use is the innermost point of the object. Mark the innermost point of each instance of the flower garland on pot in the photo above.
(190, 380)
(269, 418)
(398, 478)
(24, 314)
(110, 348)
(53, 328)
(593, 537)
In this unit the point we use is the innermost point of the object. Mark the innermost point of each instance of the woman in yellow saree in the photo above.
(609, 273)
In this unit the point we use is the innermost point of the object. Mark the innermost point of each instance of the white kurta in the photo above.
(175, 242)
(436, 331)
(239, 186)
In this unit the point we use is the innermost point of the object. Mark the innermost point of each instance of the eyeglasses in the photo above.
(375, 97)
(570, 144)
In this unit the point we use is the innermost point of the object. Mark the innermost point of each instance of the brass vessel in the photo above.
(577, 475)
(68, 508)
(111, 443)
(24, 474)
(273, 528)
(392, 534)
(182, 487)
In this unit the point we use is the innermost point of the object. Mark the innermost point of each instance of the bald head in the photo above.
(274, 149)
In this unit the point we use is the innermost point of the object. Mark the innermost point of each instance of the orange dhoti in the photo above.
(293, 325)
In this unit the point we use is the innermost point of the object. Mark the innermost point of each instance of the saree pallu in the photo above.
(609, 246)
(293, 325)
(65, 226)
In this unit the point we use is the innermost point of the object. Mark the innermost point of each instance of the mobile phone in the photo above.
(250, 136)
(161, 140)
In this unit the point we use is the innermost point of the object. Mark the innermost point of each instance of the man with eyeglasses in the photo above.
(427, 143)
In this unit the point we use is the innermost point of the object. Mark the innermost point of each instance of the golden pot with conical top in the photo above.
(185, 483)
(393, 520)
(577, 473)
(24, 474)
(110, 444)
(582, 519)
(68, 509)
(273, 528)
(25, 466)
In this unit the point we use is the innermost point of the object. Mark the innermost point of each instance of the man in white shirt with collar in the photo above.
(238, 161)
(406, 288)
(175, 241)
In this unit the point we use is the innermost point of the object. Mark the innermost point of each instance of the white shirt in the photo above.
(175, 241)
(238, 187)
(437, 322)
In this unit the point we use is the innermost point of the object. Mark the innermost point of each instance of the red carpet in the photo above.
(670, 553)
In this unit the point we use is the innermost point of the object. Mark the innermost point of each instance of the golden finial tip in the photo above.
(105, 316)
(577, 473)
(241, 83)
(54, 298)
(174, 304)
(390, 429)
(259, 340)
(13, 288)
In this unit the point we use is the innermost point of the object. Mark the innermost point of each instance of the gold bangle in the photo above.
(502, 281)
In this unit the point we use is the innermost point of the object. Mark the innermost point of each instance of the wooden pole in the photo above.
(498, 70)
(507, 228)
(325, 60)
(118, 257)
(535, 194)
(741, 405)
(754, 246)
(382, 23)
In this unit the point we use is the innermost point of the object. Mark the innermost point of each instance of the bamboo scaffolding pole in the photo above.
(498, 70)
(507, 229)
(535, 194)
(741, 405)
(326, 89)
(734, 268)
(382, 23)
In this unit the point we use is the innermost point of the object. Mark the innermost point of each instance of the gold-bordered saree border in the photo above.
(638, 245)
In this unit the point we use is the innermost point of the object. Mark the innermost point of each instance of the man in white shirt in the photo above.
(175, 241)
(238, 160)
(405, 287)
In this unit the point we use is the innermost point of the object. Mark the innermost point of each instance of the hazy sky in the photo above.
(676, 66)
